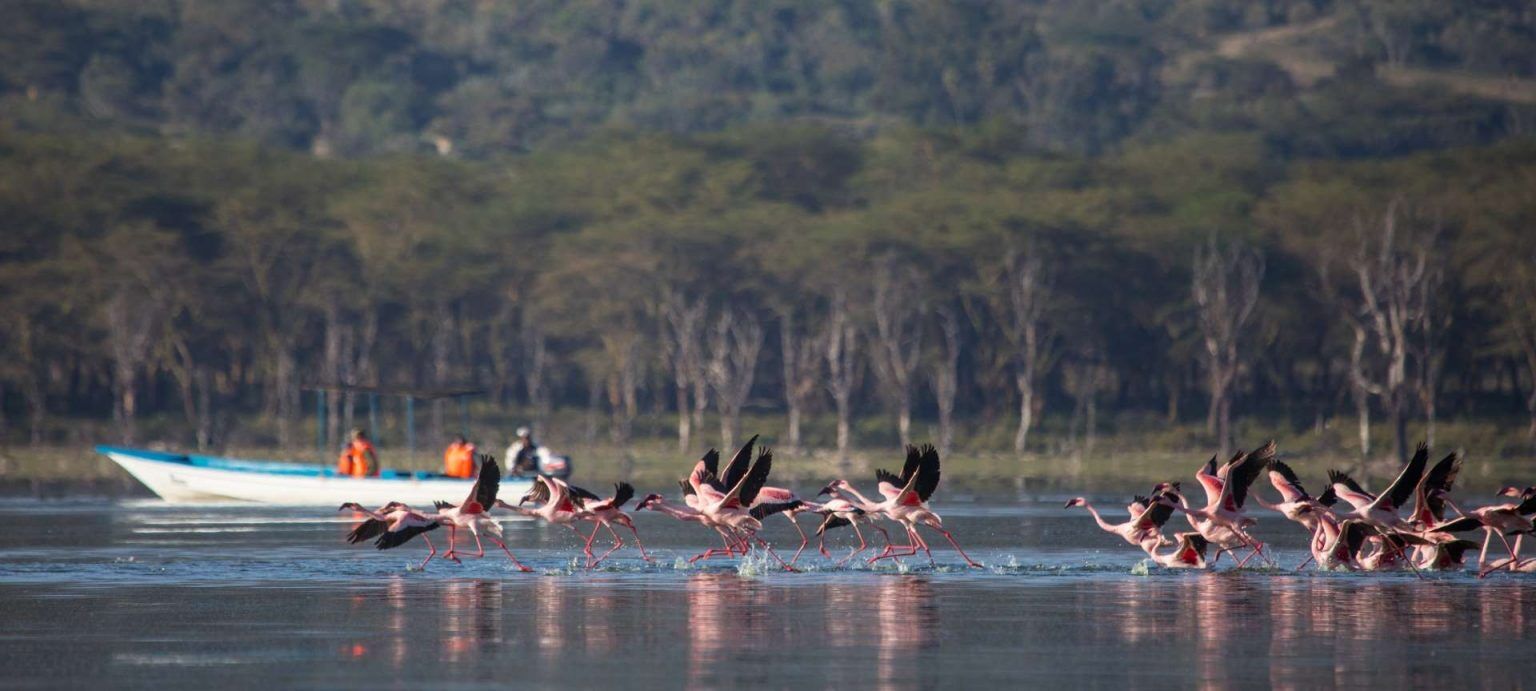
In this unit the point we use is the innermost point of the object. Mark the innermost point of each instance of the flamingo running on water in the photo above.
(837, 512)
(733, 508)
(906, 502)
(394, 524)
(473, 515)
(607, 512)
(1143, 525)
(557, 506)
(769, 500)
(1380, 512)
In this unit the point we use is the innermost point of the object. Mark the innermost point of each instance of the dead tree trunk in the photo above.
(1019, 305)
(683, 325)
(798, 349)
(734, 345)
(1225, 287)
(946, 373)
(898, 337)
(130, 327)
(841, 350)
(535, 363)
(1391, 271)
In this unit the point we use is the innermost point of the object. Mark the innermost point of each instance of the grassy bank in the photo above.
(1130, 457)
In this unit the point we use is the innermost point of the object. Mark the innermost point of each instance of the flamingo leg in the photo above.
(478, 545)
(862, 544)
(640, 544)
(1308, 560)
(1513, 560)
(969, 562)
(891, 550)
(803, 539)
(515, 562)
(617, 543)
(452, 553)
(1482, 557)
(432, 551)
(769, 548)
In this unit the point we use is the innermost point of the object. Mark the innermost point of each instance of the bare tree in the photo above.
(130, 324)
(1390, 268)
(621, 347)
(840, 341)
(1225, 284)
(801, 373)
(1517, 282)
(683, 326)
(1020, 298)
(734, 344)
(535, 365)
(946, 371)
(1084, 377)
(898, 339)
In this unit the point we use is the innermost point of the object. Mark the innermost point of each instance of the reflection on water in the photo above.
(287, 607)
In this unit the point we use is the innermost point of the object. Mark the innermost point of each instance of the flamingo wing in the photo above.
(400, 536)
(1209, 482)
(1241, 476)
(763, 510)
(1286, 483)
(739, 465)
(928, 472)
(1429, 496)
(910, 467)
(367, 530)
(1397, 494)
(622, 493)
(486, 486)
(888, 483)
(1347, 489)
(711, 462)
(1154, 516)
(908, 494)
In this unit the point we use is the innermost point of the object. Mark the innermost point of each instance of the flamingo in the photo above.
(1147, 518)
(394, 524)
(1335, 544)
(906, 502)
(1509, 518)
(1188, 553)
(608, 511)
(730, 509)
(1380, 512)
(837, 512)
(558, 507)
(771, 499)
(472, 513)
(1295, 504)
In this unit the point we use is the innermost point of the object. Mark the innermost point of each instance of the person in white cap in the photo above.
(522, 454)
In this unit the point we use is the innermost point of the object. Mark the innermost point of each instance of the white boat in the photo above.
(189, 478)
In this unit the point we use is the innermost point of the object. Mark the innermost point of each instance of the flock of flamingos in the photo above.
(1366, 532)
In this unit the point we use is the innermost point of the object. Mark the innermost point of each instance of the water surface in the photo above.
(140, 593)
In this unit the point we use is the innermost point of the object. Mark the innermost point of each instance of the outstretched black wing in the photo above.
(367, 530)
(440, 504)
(1342, 478)
(739, 465)
(489, 482)
(1246, 470)
(756, 477)
(1401, 489)
(927, 473)
(402, 536)
(712, 462)
(762, 511)
(622, 493)
(913, 464)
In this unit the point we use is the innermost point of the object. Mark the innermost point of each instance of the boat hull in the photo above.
(177, 478)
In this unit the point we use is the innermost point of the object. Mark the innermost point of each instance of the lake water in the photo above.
(141, 593)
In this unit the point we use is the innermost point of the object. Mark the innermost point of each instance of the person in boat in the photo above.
(358, 458)
(459, 459)
(523, 453)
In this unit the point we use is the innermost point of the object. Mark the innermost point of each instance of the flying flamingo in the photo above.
(906, 502)
(659, 504)
(394, 524)
(1336, 544)
(472, 513)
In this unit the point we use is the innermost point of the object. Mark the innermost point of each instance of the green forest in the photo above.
(1010, 222)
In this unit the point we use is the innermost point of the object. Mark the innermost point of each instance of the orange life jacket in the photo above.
(459, 460)
(354, 459)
